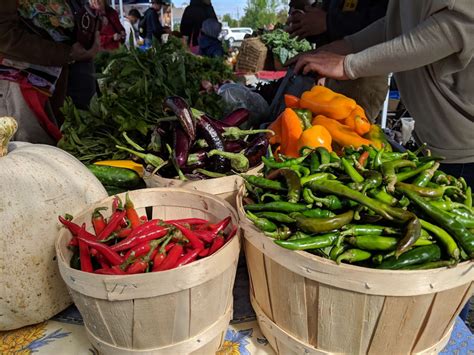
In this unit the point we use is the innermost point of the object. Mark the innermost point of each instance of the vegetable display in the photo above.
(323, 118)
(371, 207)
(133, 86)
(128, 244)
(283, 46)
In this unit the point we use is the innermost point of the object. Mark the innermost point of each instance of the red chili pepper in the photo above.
(124, 233)
(204, 253)
(205, 236)
(142, 249)
(116, 204)
(220, 226)
(232, 233)
(138, 267)
(112, 257)
(114, 222)
(86, 263)
(74, 229)
(191, 221)
(128, 243)
(143, 219)
(171, 258)
(157, 260)
(144, 228)
(188, 257)
(114, 270)
(100, 259)
(98, 220)
(132, 214)
(193, 239)
(216, 245)
(363, 158)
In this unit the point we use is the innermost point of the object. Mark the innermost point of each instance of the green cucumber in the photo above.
(112, 176)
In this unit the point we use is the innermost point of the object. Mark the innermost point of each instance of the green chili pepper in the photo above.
(338, 248)
(264, 183)
(301, 170)
(320, 241)
(317, 213)
(273, 197)
(325, 157)
(419, 255)
(330, 201)
(431, 265)
(314, 163)
(208, 173)
(390, 156)
(353, 256)
(437, 192)
(279, 234)
(276, 216)
(383, 196)
(351, 171)
(151, 159)
(277, 206)
(306, 116)
(316, 177)
(307, 196)
(236, 132)
(465, 213)
(389, 171)
(425, 176)
(468, 200)
(299, 235)
(467, 222)
(377, 162)
(440, 178)
(404, 202)
(321, 225)
(372, 180)
(425, 234)
(379, 258)
(262, 223)
(405, 175)
(412, 234)
(444, 219)
(449, 205)
(376, 242)
(292, 182)
(368, 229)
(273, 164)
(444, 238)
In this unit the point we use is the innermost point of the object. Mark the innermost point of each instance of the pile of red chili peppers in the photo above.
(127, 244)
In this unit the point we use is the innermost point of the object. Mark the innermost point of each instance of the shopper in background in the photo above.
(112, 33)
(191, 23)
(150, 26)
(332, 21)
(209, 43)
(129, 23)
(34, 58)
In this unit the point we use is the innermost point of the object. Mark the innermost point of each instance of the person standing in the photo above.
(334, 20)
(150, 25)
(34, 58)
(209, 43)
(129, 23)
(112, 33)
(191, 23)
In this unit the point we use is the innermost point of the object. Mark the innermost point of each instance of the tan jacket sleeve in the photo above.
(16, 42)
(435, 38)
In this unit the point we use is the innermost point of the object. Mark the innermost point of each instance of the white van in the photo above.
(235, 34)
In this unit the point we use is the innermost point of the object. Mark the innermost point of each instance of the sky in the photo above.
(222, 7)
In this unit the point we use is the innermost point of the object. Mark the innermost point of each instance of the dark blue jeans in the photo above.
(467, 172)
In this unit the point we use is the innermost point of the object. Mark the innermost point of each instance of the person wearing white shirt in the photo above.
(129, 23)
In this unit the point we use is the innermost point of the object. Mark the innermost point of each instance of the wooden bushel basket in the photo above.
(181, 311)
(309, 305)
(223, 187)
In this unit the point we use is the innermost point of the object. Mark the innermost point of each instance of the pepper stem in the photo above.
(8, 127)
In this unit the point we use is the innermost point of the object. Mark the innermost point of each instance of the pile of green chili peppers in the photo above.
(370, 207)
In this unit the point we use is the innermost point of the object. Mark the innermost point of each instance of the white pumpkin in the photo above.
(37, 183)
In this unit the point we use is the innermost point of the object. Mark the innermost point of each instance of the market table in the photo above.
(65, 333)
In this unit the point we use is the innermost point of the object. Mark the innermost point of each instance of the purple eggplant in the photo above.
(235, 146)
(182, 110)
(182, 144)
(211, 135)
(257, 148)
(221, 126)
(237, 117)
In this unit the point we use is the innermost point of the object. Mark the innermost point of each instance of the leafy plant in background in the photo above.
(133, 86)
(283, 46)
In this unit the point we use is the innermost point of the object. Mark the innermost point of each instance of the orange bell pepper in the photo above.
(341, 134)
(275, 126)
(358, 121)
(316, 136)
(291, 131)
(292, 101)
(323, 101)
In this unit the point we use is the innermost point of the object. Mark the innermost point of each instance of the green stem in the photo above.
(8, 127)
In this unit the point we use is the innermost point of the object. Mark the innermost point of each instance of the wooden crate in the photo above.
(182, 311)
(309, 305)
(224, 187)
(252, 56)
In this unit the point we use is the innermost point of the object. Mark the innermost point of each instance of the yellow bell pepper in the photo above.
(340, 133)
(358, 121)
(378, 139)
(323, 101)
(314, 137)
(126, 164)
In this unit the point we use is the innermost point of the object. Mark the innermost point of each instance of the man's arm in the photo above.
(437, 37)
(17, 43)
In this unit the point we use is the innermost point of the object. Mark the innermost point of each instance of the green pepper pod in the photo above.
(467, 222)
(273, 164)
(383, 196)
(368, 229)
(325, 157)
(280, 234)
(273, 197)
(331, 202)
(444, 238)
(338, 248)
(299, 235)
(292, 182)
(318, 176)
(405, 175)
(322, 225)
(264, 183)
(437, 192)
(307, 196)
(277, 206)
(372, 180)
(412, 234)
(389, 171)
(318, 213)
(375, 242)
(419, 255)
(448, 205)
(314, 163)
(425, 177)
(262, 223)
(468, 200)
(276, 216)
(431, 265)
(351, 171)
(353, 256)
(306, 116)
(440, 178)
(317, 242)
(444, 219)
